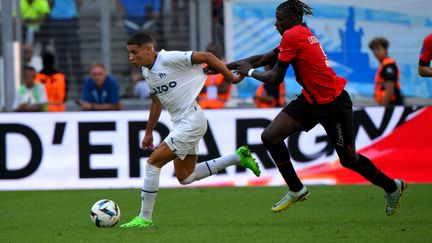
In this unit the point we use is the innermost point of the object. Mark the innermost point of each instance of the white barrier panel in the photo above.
(101, 149)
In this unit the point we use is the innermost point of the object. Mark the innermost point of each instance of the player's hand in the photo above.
(209, 71)
(237, 78)
(147, 142)
(243, 68)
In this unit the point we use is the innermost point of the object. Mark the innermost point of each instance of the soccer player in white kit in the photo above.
(175, 79)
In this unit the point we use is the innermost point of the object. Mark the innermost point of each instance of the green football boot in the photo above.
(138, 222)
(247, 161)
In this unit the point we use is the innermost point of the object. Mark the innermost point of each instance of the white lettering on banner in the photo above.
(75, 150)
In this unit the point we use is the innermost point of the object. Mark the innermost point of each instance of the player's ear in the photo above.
(149, 46)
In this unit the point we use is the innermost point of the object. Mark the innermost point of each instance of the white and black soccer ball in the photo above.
(105, 213)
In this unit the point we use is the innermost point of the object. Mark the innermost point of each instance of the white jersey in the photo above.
(176, 82)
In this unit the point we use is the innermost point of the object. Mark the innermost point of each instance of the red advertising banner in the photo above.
(404, 153)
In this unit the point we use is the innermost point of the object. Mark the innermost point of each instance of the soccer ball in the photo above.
(105, 213)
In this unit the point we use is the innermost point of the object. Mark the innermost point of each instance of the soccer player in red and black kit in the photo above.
(424, 68)
(323, 100)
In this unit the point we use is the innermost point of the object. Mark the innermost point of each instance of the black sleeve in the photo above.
(389, 72)
(424, 64)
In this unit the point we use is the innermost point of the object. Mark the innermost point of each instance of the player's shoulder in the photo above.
(295, 32)
(428, 39)
(169, 54)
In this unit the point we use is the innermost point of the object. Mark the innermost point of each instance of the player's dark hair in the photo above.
(379, 41)
(140, 38)
(296, 7)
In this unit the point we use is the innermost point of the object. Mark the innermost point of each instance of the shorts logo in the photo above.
(340, 141)
(162, 75)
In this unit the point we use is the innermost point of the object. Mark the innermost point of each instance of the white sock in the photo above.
(211, 167)
(149, 191)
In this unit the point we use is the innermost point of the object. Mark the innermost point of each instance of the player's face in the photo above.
(284, 21)
(143, 55)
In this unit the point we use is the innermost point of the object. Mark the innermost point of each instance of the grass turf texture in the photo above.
(332, 214)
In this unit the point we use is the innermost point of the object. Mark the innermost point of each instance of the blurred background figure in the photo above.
(33, 13)
(101, 92)
(387, 83)
(269, 95)
(216, 90)
(30, 58)
(139, 15)
(31, 96)
(218, 25)
(63, 29)
(54, 83)
(137, 87)
(424, 68)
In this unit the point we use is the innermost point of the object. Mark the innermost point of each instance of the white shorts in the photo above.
(184, 138)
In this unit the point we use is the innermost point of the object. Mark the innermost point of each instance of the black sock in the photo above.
(279, 153)
(368, 170)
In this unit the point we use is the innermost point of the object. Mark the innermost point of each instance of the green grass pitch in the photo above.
(332, 214)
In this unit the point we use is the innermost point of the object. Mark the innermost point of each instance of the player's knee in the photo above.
(349, 161)
(188, 180)
(266, 137)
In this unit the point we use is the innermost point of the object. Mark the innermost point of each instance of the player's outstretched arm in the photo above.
(155, 110)
(273, 76)
(257, 60)
(214, 63)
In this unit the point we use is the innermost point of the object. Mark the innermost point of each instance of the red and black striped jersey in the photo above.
(303, 51)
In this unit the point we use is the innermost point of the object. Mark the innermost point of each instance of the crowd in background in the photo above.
(52, 60)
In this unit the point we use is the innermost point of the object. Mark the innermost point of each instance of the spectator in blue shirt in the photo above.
(139, 15)
(101, 92)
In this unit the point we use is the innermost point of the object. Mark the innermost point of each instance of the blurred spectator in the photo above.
(101, 92)
(30, 59)
(216, 90)
(64, 28)
(387, 84)
(138, 87)
(177, 7)
(33, 13)
(54, 82)
(424, 68)
(30, 96)
(139, 15)
(218, 25)
(270, 95)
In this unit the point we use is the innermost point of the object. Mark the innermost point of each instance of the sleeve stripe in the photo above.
(424, 63)
(191, 57)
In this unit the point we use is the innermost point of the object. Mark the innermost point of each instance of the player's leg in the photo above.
(161, 156)
(338, 123)
(188, 171)
(273, 138)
